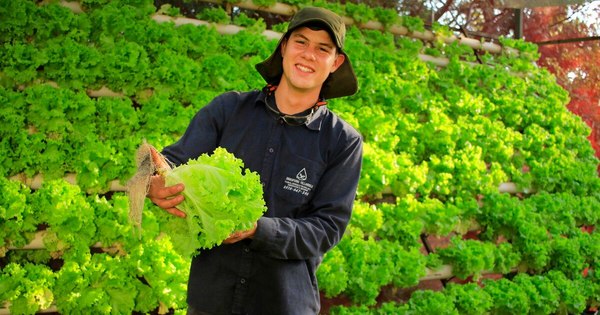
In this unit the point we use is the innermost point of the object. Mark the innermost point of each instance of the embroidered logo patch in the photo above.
(298, 184)
(302, 174)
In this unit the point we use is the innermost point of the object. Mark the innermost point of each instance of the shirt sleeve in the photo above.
(327, 216)
(203, 133)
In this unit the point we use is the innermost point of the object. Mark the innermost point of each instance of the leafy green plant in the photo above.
(468, 257)
(97, 283)
(17, 218)
(69, 216)
(332, 274)
(28, 287)
(215, 14)
(428, 302)
(221, 197)
(469, 298)
(543, 295)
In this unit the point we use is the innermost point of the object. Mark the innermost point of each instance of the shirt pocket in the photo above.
(297, 178)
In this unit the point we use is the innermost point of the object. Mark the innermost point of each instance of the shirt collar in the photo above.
(315, 121)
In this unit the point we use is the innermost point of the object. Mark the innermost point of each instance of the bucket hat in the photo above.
(341, 82)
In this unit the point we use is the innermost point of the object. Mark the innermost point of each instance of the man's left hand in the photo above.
(240, 235)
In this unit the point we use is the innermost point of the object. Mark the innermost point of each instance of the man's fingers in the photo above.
(234, 238)
(240, 235)
(158, 189)
(167, 198)
(169, 191)
(176, 212)
(157, 183)
(158, 160)
(167, 203)
(230, 240)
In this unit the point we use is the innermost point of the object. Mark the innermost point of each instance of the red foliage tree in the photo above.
(569, 50)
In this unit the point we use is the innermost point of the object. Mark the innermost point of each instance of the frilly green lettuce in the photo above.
(221, 197)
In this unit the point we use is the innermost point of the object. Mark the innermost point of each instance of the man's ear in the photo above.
(339, 60)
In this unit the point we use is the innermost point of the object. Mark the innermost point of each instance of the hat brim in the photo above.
(341, 82)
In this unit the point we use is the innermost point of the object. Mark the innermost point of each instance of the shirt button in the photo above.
(271, 150)
(246, 249)
(242, 281)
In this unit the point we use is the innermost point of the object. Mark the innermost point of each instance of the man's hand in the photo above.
(240, 235)
(166, 197)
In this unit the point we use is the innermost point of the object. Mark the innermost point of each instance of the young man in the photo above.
(309, 163)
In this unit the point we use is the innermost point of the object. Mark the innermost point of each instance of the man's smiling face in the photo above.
(308, 58)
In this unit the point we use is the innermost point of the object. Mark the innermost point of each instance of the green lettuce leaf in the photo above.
(221, 197)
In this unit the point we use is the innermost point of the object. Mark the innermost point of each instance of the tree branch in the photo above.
(567, 40)
(441, 11)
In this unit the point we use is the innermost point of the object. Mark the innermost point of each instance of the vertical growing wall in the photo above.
(483, 156)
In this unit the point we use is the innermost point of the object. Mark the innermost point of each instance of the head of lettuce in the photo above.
(220, 197)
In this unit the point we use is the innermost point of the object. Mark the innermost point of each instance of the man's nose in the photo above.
(310, 52)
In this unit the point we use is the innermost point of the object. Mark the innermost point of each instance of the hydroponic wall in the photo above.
(477, 181)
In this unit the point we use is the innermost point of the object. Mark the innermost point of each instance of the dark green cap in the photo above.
(340, 83)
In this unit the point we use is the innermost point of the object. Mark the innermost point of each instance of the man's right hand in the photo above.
(166, 197)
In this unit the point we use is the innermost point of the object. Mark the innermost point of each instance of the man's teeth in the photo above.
(304, 69)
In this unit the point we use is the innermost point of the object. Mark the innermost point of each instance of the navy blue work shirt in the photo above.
(309, 174)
